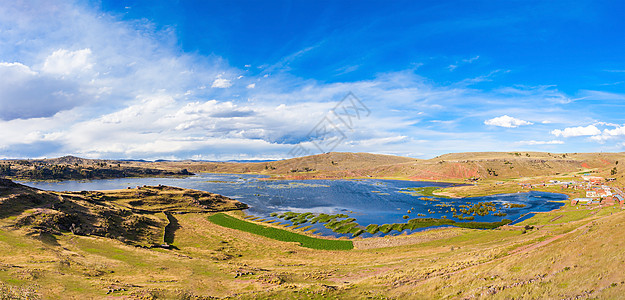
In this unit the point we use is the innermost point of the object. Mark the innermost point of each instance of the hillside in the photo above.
(330, 164)
(573, 252)
(74, 168)
(136, 216)
(458, 167)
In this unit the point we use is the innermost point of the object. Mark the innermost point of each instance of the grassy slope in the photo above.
(572, 252)
(456, 167)
(217, 261)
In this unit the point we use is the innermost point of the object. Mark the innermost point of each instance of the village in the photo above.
(597, 190)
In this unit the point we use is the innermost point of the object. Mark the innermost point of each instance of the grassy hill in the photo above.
(75, 168)
(111, 243)
(448, 167)
(136, 216)
(573, 252)
(458, 167)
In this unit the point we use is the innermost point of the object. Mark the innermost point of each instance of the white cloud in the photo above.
(24, 93)
(577, 131)
(532, 142)
(507, 121)
(608, 134)
(546, 93)
(620, 130)
(221, 83)
(607, 124)
(591, 95)
(452, 67)
(472, 59)
(83, 82)
(65, 62)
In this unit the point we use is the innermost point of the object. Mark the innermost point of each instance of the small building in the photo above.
(619, 198)
(592, 194)
(582, 201)
(592, 179)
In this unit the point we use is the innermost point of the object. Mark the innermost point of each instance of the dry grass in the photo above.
(218, 261)
(574, 252)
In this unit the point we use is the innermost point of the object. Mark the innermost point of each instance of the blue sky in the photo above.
(221, 80)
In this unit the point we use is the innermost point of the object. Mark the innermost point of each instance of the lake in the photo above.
(369, 201)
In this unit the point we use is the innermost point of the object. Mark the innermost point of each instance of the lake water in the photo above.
(370, 201)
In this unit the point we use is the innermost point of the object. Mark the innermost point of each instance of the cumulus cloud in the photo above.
(608, 134)
(221, 83)
(25, 93)
(507, 121)
(66, 62)
(79, 81)
(619, 130)
(577, 131)
(532, 142)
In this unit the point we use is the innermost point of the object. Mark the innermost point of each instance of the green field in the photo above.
(279, 234)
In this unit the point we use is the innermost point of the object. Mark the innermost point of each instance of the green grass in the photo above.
(429, 222)
(279, 234)
(565, 214)
(426, 191)
(372, 228)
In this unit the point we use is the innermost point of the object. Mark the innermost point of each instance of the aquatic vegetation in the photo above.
(372, 228)
(296, 185)
(339, 223)
(424, 191)
(279, 234)
(480, 209)
(356, 232)
(399, 226)
(324, 218)
(380, 193)
(462, 217)
(386, 228)
(513, 205)
(343, 224)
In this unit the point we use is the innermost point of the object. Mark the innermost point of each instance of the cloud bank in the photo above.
(79, 81)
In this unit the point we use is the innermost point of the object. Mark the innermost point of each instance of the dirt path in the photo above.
(528, 248)
(518, 251)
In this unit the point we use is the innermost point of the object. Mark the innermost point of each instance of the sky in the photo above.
(238, 80)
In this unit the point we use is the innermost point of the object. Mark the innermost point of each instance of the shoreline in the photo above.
(517, 220)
